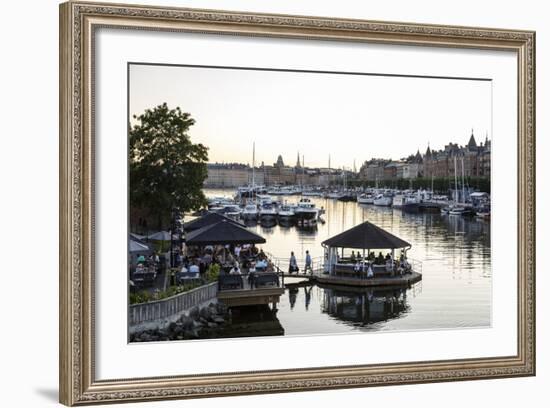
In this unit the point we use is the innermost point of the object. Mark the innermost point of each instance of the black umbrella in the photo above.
(207, 219)
(222, 233)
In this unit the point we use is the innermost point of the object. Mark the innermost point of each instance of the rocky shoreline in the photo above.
(200, 323)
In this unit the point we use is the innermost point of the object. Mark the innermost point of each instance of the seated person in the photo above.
(140, 268)
(357, 267)
(140, 259)
(194, 268)
(235, 270)
(352, 256)
(261, 265)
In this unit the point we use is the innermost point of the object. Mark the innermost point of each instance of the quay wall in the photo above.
(160, 313)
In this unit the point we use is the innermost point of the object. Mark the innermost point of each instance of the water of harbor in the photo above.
(455, 291)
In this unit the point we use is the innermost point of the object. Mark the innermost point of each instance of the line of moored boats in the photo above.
(258, 203)
(262, 207)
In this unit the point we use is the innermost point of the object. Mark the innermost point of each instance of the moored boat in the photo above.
(250, 212)
(383, 200)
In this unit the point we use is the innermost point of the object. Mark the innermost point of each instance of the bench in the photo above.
(182, 277)
(230, 282)
(263, 279)
(144, 278)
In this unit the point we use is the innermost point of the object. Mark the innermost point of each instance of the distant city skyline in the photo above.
(349, 117)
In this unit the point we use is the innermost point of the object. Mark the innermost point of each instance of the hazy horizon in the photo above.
(349, 117)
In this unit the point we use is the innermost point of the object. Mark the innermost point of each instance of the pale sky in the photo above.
(350, 117)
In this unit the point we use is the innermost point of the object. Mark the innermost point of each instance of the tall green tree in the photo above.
(167, 170)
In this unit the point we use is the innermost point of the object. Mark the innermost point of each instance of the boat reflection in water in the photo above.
(364, 306)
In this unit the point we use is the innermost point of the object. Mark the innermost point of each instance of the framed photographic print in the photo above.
(256, 203)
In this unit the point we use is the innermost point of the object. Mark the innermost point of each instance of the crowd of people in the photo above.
(371, 261)
(232, 259)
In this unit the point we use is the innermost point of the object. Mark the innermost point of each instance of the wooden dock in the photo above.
(404, 280)
(248, 296)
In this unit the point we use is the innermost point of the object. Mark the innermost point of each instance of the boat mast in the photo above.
(463, 192)
(456, 182)
(253, 162)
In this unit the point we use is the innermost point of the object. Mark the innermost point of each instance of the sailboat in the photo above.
(460, 209)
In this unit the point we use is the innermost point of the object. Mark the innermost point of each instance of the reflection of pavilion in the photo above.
(364, 306)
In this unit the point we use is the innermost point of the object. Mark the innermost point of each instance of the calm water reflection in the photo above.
(456, 264)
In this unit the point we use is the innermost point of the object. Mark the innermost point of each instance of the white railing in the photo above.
(163, 308)
(283, 264)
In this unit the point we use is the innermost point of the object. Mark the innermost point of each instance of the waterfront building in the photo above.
(413, 166)
(225, 175)
(373, 169)
(476, 158)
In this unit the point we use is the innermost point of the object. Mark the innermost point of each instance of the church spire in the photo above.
(298, 160)
(472, 142)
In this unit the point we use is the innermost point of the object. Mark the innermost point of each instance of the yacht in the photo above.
(382, 200)
(484, 212)
(306, 211)
(286, 212)
(250, 212)
(264, 199)
(406, 202)
(347, 195)
(457, 210)
(268, 211)
(334, 194)
(366, 198)
(232, 210)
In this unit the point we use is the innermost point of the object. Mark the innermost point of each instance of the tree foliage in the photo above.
(167, 170)
(440, 184)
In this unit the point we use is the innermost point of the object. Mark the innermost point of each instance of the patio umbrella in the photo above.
(136, 247)
(223, 233)
(160, 236)
(207, 219)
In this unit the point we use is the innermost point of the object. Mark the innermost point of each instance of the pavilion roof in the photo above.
(366, 236)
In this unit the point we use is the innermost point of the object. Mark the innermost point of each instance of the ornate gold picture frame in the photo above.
(78, 24)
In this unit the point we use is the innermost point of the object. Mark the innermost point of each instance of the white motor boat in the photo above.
(334, 195)
(286, 212)
(457, 210)
(250, 212)
(365, 198)
(267, 211)
(383, 200)
(306, 211)
(232, 210)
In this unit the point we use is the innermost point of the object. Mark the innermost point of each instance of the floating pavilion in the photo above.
(342, 269)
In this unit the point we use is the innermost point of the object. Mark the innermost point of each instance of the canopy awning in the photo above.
(222, 233)
(137, 237)
(366, 236)
(160, 236)
(136, 247)
(206, 220)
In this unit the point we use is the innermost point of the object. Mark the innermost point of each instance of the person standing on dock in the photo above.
(308, 263)
(293, 265)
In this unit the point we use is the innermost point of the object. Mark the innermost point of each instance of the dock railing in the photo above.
(282, 265)
(164, 308)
